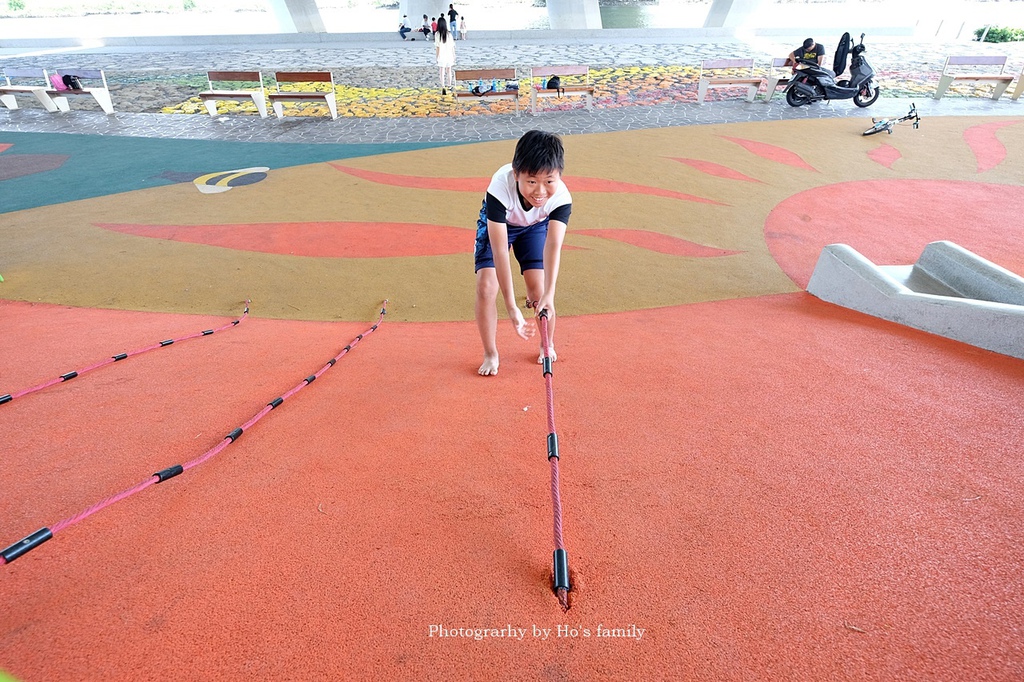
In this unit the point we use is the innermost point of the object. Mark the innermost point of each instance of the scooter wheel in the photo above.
(795, 99)
(866, 99)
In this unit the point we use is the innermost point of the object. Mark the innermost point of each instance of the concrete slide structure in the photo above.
(949, 291)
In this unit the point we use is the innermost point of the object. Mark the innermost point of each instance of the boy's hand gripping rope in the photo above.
(32, 541)
(8, 397)
(561, 559)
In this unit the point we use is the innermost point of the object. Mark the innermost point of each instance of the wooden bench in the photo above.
(780, 74)
(321, 79)
(37, 88)
(485, 77)
(99, 92)
(248, 86)
(565, 89)
(1000, 80)
(714, 66)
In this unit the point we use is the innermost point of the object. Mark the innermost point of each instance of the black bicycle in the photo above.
(887, 124)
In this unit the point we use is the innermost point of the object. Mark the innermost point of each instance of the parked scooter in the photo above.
(813, 83)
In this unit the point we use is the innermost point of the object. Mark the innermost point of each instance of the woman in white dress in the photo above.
(444, 46)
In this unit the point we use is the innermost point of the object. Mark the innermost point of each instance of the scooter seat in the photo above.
(815, 68)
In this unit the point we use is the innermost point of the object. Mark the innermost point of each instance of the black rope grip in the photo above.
(561, 570)
(6, 398)
(310, 379)
(547, 366)
(234, 434)
(26, 545)
(69, 375)
(207, 332)
(553, 446)
(167, 342)
(120, 356)
(275, 402)
(169, 472)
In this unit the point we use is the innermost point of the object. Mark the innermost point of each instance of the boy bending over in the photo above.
(526, 209)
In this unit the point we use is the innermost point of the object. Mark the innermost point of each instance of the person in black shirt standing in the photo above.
(452, 14)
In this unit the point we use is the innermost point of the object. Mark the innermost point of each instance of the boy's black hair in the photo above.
(538, 152)
(808, 43)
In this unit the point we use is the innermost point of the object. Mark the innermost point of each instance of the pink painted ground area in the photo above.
(318, 239)
(771, 152)
(575, 184)
(899, 218)
(885, 154)
(662, 243)
(716, 169)
(987, 148)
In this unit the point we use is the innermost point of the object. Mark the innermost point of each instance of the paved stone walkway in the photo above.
(388, 89)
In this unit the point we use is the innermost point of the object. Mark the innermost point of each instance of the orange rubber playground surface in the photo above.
(756, 484)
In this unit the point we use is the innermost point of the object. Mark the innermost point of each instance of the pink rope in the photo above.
(226, 441)
(107, 361)
(61, 525)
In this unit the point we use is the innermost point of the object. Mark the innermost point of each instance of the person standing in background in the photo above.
(444, 49)
(452, 20)
(462, 27)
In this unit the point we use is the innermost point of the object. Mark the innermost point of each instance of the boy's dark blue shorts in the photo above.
(527, 243)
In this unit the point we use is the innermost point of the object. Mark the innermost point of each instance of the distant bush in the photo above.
(998, 34)
(15, 5)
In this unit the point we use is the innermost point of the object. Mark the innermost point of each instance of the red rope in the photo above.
(556, 497)
(121, 356)
(178, 469)
(560, 574)
(556, 502)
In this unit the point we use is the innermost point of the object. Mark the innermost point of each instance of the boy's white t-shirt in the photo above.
(503, 188)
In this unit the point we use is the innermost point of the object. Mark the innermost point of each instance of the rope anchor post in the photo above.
(560, 573)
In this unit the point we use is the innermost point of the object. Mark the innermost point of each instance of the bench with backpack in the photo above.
(69, 83)
(561, 81)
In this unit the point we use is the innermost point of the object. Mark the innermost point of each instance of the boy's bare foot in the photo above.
(489, 367)
(551, 352)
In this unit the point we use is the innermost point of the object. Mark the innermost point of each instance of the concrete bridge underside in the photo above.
(303, 16)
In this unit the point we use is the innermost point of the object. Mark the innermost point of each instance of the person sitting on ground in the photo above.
(526, 209)
(810, 50)
(403, 27)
